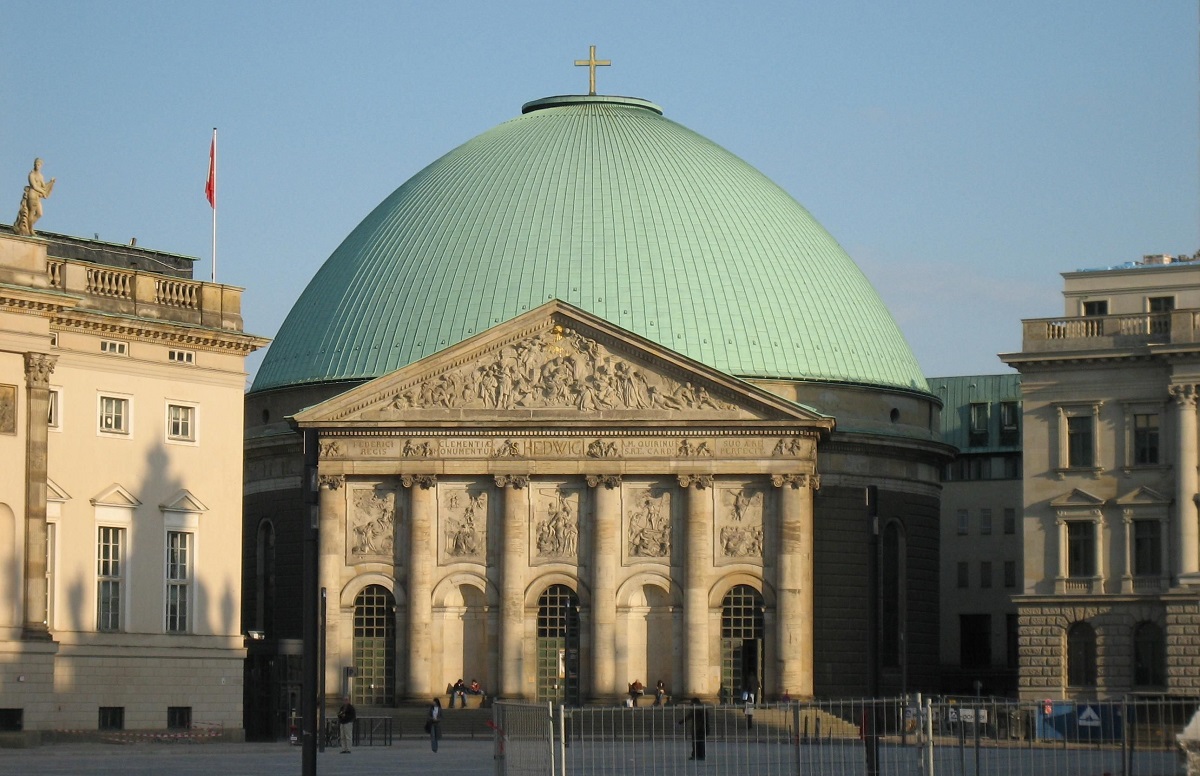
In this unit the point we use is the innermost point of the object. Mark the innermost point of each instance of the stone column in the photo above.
(331, 559)
(1186, 534)
(1060, 579)
(794, 595)
(1127, 572)
(697, 566)
(515, 560)
(38, 368)
(422, 514)
(606, 553)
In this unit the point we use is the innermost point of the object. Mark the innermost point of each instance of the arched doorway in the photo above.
(558, 646)
(374, 647)
(741, 641)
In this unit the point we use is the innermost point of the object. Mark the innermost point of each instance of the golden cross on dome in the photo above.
(591, 63)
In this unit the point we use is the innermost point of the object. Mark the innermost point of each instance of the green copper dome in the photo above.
(603, 203)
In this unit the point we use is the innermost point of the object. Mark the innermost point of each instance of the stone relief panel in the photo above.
(464, 521)
(557, 368)
(555, 532)
(648, 521)
(739, 523)
(371, 525)
(8, 409)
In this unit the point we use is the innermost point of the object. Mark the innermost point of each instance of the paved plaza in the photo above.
(409, 756)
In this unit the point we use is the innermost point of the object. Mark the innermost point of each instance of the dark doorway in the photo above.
(558, 646)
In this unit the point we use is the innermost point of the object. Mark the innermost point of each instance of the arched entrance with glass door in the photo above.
(558, 646)
(374, 680)
(741, 642)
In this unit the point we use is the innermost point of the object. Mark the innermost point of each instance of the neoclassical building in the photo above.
(1111, 597)
(121, 395)
(596, 402)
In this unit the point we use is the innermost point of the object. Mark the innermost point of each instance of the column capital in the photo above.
(425, 481)
(701, 481)
(797, 481)
(330, 481)
(609, 481)
(515, 481)
(38, 368)
(1184, 394)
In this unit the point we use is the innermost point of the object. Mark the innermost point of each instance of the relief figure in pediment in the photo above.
(373, 522)
(650, 528)
(558, 534)
(463, 524)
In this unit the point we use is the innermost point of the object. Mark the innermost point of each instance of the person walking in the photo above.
(695, 724)
(345, 717)
(433, 725)
(660, 692)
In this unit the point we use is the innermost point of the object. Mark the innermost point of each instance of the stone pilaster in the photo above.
(38, 368)
(794, 595)
(515, 560)
(697, 566)
(422, 516)
(1186, 537)
(606, 551)
(331, 546)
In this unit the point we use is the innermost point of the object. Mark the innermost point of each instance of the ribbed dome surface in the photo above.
(603, 203)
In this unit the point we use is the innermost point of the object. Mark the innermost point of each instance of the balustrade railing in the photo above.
(106, 281)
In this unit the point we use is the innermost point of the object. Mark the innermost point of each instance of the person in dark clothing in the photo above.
(459, 692)
(345, 717)
(433, 725)
(695, 724)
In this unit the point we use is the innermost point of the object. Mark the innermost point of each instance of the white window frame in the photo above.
(54, 408)
(1065, 412)
(182, 580)
(126, 432)
(186, 523)
(120, 578)
(194, 437)
(114, 347)
(177, 356)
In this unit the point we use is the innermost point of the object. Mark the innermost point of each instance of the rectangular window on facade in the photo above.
(1010, 573)
(1145, 439)
(1097, 308)
(975, 640)
(985, 521)
(1147, 548)
(1081, 548)
(1012, 466)
(1010, 520)
(179, 718)
(964, 522)
(112, 718)
(179, 579)
(1079, 442)
(110, 558)
(963, 575)
(181, 423)
(1010, 423)
(53, 414)
(12, 720)
(985, 574)
(114, 347)
(114, 415)
(1012, 632)
(978, 436)
(181, 356)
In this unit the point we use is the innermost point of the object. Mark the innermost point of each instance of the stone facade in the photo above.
(1112, 556)
(120, 543)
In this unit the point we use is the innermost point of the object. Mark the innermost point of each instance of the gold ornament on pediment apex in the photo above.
(425, 481)
(557, 368)
(372, 523)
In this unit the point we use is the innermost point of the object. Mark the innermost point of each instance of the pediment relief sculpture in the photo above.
(372, 523)
(557, 369)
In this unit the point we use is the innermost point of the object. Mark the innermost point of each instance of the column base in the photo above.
(36, 633)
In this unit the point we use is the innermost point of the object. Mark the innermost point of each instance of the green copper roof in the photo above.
(603, 203)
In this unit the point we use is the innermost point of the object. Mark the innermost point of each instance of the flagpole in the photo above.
(213, 173)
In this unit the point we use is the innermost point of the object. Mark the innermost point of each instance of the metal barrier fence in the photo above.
(949, 737)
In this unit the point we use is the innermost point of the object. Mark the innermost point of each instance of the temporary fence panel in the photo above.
(525, 743)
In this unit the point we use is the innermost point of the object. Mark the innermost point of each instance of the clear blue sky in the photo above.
(964, 153)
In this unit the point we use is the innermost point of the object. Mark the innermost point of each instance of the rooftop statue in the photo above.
(31, 201)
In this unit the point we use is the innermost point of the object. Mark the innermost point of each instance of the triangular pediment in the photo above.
(115, 496)
(1143, 496)
(183, 501)
(1078, 499)
(55, 493)
(559, 364)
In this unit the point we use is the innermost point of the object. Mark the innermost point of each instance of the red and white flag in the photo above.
(210, 188)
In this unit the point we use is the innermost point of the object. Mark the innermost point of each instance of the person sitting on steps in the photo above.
(636, 690)
(459, 691)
